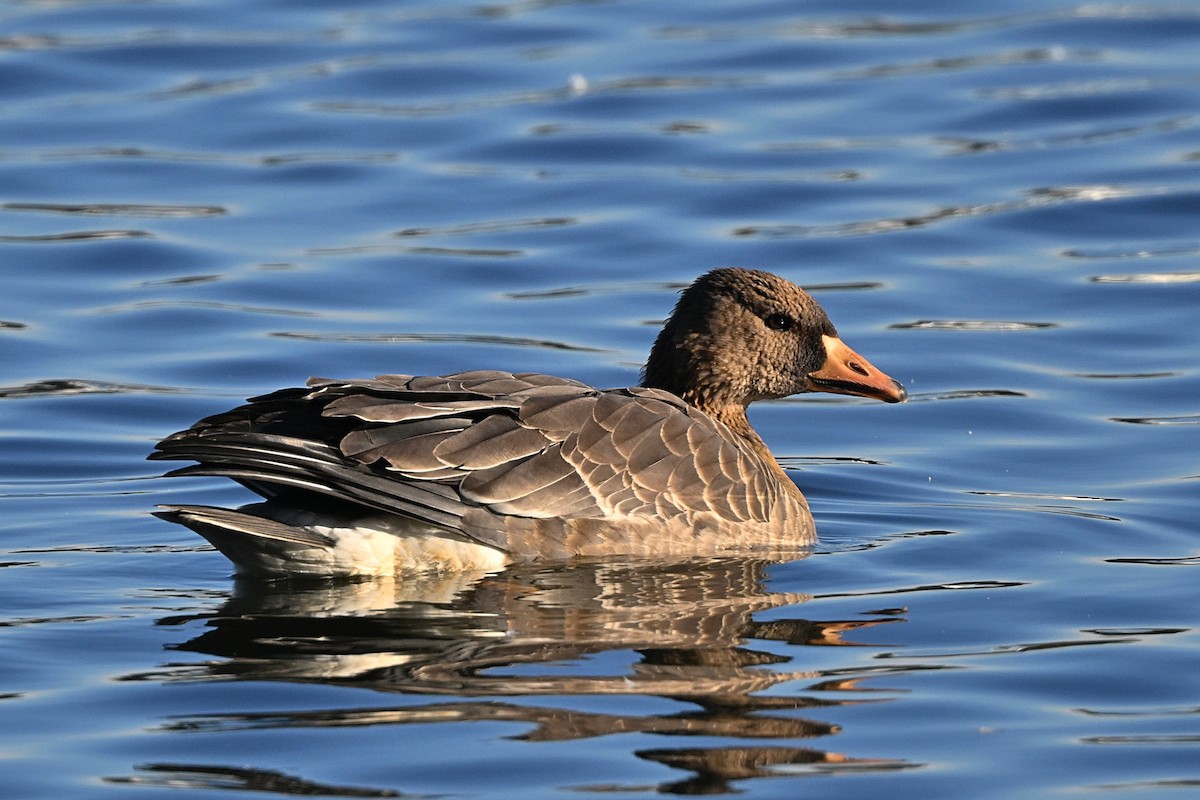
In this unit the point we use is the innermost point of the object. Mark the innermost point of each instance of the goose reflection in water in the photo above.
(522, 633)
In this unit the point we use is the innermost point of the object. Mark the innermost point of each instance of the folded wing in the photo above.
(469, 452)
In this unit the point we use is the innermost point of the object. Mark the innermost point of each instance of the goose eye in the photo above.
(778, 322)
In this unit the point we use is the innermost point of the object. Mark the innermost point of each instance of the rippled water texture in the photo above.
(997, 203)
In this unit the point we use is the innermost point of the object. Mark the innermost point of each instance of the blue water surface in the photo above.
(201, 202)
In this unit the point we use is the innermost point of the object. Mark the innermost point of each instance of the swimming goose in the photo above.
(474, 470)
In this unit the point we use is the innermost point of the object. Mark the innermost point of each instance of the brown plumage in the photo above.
(469, 471)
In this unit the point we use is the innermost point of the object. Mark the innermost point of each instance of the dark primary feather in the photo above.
(227, 520)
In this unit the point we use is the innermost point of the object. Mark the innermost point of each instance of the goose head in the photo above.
(741, 335)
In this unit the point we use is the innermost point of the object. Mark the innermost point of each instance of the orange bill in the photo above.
(846, 372)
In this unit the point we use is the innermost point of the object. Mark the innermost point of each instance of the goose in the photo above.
(475, 470)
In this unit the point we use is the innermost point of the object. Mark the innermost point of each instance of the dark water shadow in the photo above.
(75, 386)
(240, 779)
(118, 209)
(499, 648)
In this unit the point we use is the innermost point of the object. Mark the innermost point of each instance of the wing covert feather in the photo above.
(493, 441)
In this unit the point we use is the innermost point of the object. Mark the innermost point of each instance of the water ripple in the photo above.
(1187, 419)
(933, 587)
(1040, 496)
(240, 308)
(76, 236)
(202, 157)
(454, 252)
(434, 338)
(490, 226)
(1076, 89)
(1006, 649)
(825, 29)
(73, 386)
(1124, 632)
(1097, 134)
(946, 64)
(1034, 199)
(963, 394)
(971, 325)
(1124, 376)
(1149, 277)
(571, 89)
(1137, 786)
(1145, 738)
(1182, 561)
(799, 462)
(179, 280)
(1121, 253)
(118, 209)
(1181, 711)
(203, 87)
